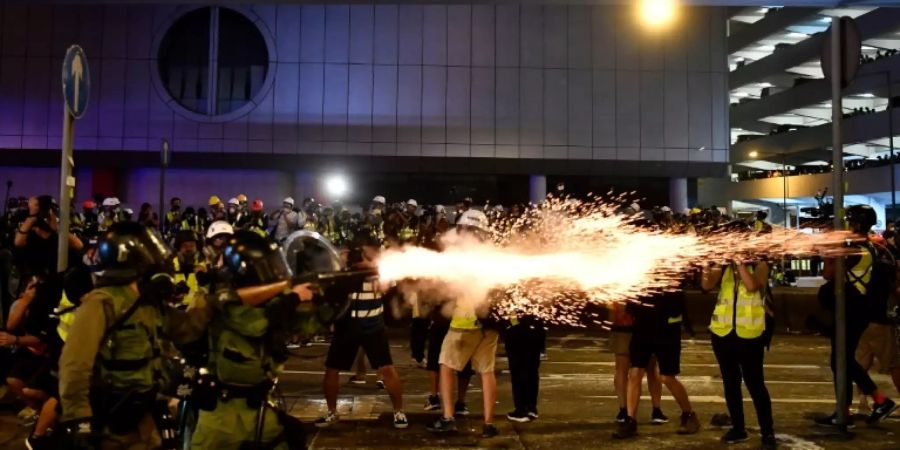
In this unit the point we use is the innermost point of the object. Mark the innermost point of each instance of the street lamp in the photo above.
(656, 14)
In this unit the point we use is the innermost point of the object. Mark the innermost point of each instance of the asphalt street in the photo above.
(577, 403)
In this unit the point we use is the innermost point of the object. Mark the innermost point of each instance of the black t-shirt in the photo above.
(38, 256)
(652, 313)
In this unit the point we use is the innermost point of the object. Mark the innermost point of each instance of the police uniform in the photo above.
(111, 365)
(247, 351)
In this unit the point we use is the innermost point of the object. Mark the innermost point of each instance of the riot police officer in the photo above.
(254, 317)
(110, 367)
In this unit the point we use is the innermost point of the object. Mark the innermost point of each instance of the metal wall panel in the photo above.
(434, 35)
(434, 105)
(312, 33)
(483, 101)
(335, 101)
(508, 45)
(409, 104)
(458, 105)
(337, 33)
(483, 35)
(459, 35)
(556, 95)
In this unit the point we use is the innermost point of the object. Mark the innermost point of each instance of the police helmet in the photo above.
(250, 260)
(129, 251)
(861, 218)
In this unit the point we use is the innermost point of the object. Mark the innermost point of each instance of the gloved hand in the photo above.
(79, 435)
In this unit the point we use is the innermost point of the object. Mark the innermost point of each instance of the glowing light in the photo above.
(657, 13)
(336, 186)
(753, 154)
(565, 254)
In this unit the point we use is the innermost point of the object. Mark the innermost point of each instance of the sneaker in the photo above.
(489, 431)
(544, 356)
(518, 416)
(442, 425)
(356, 379)
(400, 421)
(419, 363)
(433, 403)
(690, 424)
(294, 345)
(626, 429)
(658, 418)
(768, 442)
(533, 415)
(622, 416)
(880, 411)
(831, 421)
(733, 436)
(379, 384)
(460, 409)
(327, 420)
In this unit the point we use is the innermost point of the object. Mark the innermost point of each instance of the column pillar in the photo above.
(537, 188)
(678, 194)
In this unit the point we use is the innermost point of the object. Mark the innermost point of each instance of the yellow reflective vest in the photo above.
(190, 279)
(738, 309)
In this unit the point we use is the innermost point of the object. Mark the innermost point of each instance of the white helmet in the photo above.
(379, 199)
(289, 200)
(111, 201)
(412, 202)
(219, 227)
(440, 209)
(666, 209)
(473, 218)
(128, 211)
(233, 201)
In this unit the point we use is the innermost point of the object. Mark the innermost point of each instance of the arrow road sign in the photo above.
(76, 81)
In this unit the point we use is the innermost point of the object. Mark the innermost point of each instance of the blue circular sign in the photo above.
(76, 81)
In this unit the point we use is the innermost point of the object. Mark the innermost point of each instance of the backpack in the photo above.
(882, 280)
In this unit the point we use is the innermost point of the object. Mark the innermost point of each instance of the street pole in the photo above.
(163, 163)
(66, 186)
(890, 113)
(840, 319)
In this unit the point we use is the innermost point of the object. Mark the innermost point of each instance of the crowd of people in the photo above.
(91, 353)
(849, 165)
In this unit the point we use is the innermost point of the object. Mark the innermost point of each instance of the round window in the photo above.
(213, 61)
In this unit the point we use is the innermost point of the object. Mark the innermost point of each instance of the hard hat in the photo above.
(440, 209)
(127, 252)
(219, 227)
(233, 201)
(666, 209)
(89, 204)
(214, 200)
(288, 200)
(412, 202)
(183, 236)
(110, 201)
(473, 218)
(257, 205)
(128, 211)
(379, 199)
(242, 198)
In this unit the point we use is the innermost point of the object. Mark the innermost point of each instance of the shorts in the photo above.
(619, 342)
(345, 344)
(36, 371)
(463, 346)
(436, 335)
(665, 345)
(878, 342)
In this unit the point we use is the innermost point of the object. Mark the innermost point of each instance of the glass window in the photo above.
(240, 62)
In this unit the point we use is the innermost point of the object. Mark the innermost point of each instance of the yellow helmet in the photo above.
(214, 200)
(242, 198)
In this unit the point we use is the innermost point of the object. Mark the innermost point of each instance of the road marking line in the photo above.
(796, 443)
(719, 399)
(767, 366)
